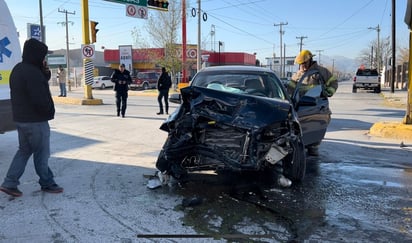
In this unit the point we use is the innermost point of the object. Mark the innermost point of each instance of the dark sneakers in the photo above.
(15, 192)
(52, 189)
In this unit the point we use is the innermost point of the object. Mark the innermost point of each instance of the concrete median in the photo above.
(393, 129)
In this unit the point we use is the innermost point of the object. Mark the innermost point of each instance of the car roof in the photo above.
(236, 68)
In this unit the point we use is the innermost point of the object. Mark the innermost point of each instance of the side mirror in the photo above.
(307, 101)
(175, 98)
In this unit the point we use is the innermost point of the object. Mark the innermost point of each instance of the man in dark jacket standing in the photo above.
(121, 79)
(163, 85)
(33, 107)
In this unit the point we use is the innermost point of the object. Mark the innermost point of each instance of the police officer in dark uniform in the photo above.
(121, 79)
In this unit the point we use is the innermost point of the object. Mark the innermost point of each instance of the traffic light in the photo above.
(158, 4)
(93, 30)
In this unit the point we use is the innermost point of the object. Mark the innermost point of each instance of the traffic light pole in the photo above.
(86, 41)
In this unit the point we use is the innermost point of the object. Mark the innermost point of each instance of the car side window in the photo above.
(314, 91)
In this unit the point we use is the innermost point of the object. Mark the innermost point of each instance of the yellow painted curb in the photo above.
(394, 130)
(76, 101)
(149, 93)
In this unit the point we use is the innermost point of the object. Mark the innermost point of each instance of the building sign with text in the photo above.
(125, 53)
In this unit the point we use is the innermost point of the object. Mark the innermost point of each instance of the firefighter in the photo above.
(306, 63)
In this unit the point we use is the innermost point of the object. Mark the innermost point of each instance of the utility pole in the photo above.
(43, 38)
(284, 59)
(199, 37)
(378, 49)
(212, 34)
(393, 47)
(67, 46)
(281, 33)
(319, 51)
(301, 41)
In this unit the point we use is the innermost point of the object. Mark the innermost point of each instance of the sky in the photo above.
(327, 27)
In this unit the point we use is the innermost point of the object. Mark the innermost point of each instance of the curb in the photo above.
(394, 130)
(76, 101)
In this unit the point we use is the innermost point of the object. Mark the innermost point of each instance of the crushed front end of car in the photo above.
(215, 130)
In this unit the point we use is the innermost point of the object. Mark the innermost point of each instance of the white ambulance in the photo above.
(10, 55)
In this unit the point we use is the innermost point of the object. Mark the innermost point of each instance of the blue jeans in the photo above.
(34, 139)
(62, 89)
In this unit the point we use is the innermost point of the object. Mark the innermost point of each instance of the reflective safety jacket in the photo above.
(330, 81)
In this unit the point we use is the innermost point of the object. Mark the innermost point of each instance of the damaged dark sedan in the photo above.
(242, 118)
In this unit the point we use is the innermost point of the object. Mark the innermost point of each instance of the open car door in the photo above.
(312, 106)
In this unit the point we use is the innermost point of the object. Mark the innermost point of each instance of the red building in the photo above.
(229, 58)
(147, 59)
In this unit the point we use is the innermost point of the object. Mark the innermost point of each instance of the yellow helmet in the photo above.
(303, 56)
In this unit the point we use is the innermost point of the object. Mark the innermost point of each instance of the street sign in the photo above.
(136, 11)
(133, 2)
(34, 31)
(88, 51)
(54, 61)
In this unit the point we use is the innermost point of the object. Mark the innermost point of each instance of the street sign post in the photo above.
(136, 11)
(87, 51)
(34, 31)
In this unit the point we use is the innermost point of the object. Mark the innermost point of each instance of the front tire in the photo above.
(294, 164)
(103, 86)
(145, 86)
(377, 89)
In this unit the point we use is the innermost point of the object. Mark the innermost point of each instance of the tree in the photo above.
(163, 28)
(403, 55)
(139, 40)
(368, 56)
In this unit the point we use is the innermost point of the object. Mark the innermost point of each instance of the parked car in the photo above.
(242, 118)
(145, 80)
(102, 82)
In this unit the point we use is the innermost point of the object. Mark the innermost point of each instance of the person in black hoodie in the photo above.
(163, 85)
(32, 107)
(121, 79)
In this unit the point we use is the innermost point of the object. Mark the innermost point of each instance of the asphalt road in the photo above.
(357, 190)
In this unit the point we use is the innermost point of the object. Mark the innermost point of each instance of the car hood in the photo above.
(239, 110)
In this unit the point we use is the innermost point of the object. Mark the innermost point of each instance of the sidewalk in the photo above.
(390, 129)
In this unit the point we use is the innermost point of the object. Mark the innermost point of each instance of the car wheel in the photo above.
(173, 169)
(377, 89)
(354, 89)
(145, 86)
(294, 164)
(103, 86)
